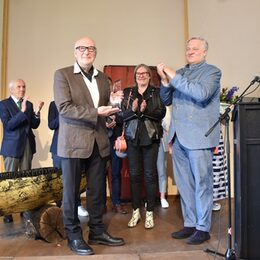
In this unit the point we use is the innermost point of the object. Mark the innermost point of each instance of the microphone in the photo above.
(256, 79)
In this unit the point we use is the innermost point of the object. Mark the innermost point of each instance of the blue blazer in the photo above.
(194, 95)
(17, 127)
(53, 123)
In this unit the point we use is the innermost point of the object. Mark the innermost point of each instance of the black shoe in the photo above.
(198, 237)
(8, 219)
(105, 239)
(80, 247)
(183, 233)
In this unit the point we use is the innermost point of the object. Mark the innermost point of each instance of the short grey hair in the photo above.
(206, 45)
(12, 82)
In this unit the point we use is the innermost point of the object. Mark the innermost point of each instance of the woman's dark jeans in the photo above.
(142, 162)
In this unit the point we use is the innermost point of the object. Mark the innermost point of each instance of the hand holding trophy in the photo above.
(116, 95)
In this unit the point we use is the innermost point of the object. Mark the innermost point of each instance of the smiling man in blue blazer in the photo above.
(194, 93)
(18, 119)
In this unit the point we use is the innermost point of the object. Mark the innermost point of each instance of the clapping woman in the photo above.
(142, 111)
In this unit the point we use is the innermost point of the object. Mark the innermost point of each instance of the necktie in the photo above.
(19, 103)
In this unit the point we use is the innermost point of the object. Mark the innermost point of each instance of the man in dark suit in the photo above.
(82, 95)
(18, 118)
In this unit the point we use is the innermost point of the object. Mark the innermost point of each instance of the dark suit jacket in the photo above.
(80, 125)
(53, 123)
(17, 127)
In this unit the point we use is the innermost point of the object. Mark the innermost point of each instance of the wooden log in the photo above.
(27, 190)
(46, 223)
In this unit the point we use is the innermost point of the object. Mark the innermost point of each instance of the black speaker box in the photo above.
(246, 117)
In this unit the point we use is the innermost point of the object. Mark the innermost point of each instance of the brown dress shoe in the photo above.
(118, 209)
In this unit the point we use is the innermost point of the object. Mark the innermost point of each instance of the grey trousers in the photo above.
(23, 163)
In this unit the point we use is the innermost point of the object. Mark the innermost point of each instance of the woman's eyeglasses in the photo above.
(140, 74)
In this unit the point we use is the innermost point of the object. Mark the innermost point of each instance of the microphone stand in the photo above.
(230, 252)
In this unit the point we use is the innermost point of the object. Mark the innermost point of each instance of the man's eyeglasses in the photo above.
(139, 74)
(84, 48)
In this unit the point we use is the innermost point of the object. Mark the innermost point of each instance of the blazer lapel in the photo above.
(101, 91)
(12, 107)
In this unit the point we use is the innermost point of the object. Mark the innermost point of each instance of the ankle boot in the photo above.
(135, 218)
(149, 223)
